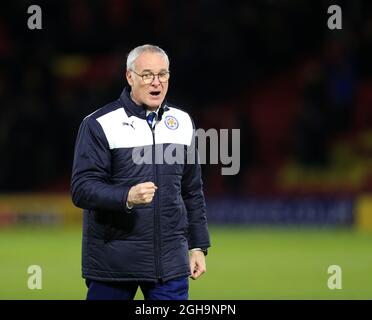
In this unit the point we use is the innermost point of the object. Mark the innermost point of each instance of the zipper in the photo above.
(156, 212)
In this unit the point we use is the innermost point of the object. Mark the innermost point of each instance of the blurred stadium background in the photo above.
(300, 93)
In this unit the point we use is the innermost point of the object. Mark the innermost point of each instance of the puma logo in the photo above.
(129, 124)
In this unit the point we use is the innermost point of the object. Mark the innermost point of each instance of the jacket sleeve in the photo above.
(193, 197)
(90, 184)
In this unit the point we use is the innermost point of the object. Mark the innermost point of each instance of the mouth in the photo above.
(155, 93)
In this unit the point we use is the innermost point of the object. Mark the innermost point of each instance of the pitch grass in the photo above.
(244, 263)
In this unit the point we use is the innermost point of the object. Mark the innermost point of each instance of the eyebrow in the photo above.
(149, 70)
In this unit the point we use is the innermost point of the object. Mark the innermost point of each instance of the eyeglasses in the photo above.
(149, 77)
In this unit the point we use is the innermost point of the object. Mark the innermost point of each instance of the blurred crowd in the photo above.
(222, 53)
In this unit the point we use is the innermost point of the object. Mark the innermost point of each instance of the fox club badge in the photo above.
(171, 122)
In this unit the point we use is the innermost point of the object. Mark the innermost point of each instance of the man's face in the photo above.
(151, 94)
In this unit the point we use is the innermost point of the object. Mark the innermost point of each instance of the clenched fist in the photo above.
(141, 193)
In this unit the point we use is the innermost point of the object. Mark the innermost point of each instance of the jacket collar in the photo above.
(137, 110)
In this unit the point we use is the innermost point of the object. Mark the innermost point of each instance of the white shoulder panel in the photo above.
(125, 132)
(174, 127)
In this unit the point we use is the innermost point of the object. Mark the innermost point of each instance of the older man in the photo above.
(144, 224)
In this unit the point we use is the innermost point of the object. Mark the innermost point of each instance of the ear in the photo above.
(129, 77)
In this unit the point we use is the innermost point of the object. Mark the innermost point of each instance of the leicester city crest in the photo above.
(171, 122)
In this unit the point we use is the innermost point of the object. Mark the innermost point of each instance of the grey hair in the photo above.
(134, 54)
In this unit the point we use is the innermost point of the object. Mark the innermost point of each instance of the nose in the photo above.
(156, 81)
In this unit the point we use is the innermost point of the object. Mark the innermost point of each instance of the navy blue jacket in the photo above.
(149, 242)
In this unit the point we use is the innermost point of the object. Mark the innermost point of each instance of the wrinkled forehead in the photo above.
(151, 61)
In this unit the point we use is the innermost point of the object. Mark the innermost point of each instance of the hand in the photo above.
(141, 193)
(197, 264)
